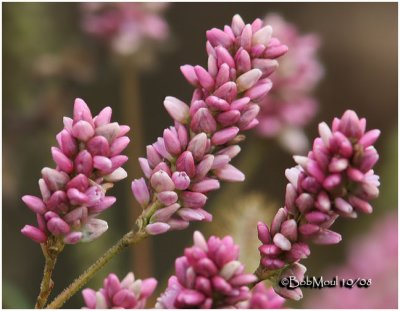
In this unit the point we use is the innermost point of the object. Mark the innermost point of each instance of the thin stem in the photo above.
(133, 116)
(130, 238)
(51, 250)
(264, 274)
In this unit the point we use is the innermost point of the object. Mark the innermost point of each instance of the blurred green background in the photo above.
(359, 53)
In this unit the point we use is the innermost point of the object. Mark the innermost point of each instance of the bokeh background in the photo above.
(48, 61)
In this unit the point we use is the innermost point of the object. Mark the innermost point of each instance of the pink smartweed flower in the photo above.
(372, 256)
(263, 298)
(290, 105)
(126, 27)
(335, 179)
(193, 156)
(88, 161)
(209, 275)
(126, 294)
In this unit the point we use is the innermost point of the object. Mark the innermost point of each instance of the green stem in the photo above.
(263, 274)
(51, 250)
(130, 238)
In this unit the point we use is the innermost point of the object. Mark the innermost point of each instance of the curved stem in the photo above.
(51, 250)
(130, 238)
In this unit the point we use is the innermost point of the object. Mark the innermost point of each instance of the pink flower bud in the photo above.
(165, 213)
(102, 163)
(167, 197)
(203, 121)
(160, 181)
(204, 78)
(325, 236)
(116, 175)
(185, 163)
(140, 191)
(98, 145)
(104, 117)
(189, 214)
(193, 199)
(57, 226)
(248, 79)
(190, 75)
(34, 233)
(73, 237)
(118, 145)
(229, 173)
(93, 229)
(82, 111)
(171, 142)
(84, 163)
(54, 179)
(80, 182)
(259, 90)
(34, 203)
(289, 229)
(82, 130)
(67, 143)
(76, 197)
(217, 103)
(204, 166)
(227, 91)
(144, 165)
(223, 136)
(177, 109)
(109, 131)
(206, 185)
(157, 228)
(224, 57)
(197, 146)
(218, 37)
(229, 118)
(181, 180)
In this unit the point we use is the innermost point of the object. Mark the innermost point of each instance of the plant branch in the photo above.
(51, 249)
(130, 238)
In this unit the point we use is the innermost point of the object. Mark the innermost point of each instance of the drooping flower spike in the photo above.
(88, 161)
(290, 105)
(335, 179)
(192, 157)
(209, 275)
(115, 294)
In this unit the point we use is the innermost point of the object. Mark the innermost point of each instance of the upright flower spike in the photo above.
(115, 294)
(209, 275)
(290, 105)
(126, 27)
(88, 161)
(335, 179)
(193, 156)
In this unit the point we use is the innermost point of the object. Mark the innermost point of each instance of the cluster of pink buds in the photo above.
(290, 106)
(127, 294)
(125, 26)
(263, 298)
(193, 156)
(335, 179)
(209, 275)
(89, 160)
